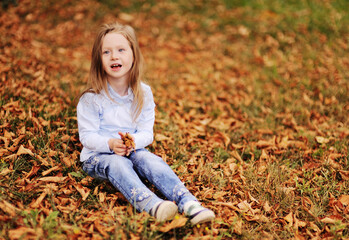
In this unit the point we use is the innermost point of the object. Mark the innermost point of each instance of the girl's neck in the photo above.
(120, 87)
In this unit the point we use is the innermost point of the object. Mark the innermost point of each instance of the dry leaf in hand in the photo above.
(128, 141)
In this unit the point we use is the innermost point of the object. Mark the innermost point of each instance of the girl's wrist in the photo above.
(110, 144)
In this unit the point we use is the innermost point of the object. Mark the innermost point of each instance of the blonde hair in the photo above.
(98, 79)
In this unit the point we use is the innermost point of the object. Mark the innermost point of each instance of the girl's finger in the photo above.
(121, 134)
(119, 145)
(120, 152)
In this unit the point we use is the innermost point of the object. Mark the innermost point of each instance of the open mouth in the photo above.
(115, 66)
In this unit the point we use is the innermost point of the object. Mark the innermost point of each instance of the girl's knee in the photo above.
(118, 164)
(146, 157)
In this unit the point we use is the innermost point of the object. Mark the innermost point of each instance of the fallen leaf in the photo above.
(44, 173)
(83, 191)
(8, 208)
(321, 140)
(38, 201)
(344, 199)
(53, 179)
(160, 137)
(176, 223)
(289, 219)
(22, 151)
(21, 233)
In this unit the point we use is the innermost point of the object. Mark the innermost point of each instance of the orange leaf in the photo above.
(36, 204)
(67, 161)
(21, 232)
(44, 173)
(83, 191)
(344, 199)
(176, 223)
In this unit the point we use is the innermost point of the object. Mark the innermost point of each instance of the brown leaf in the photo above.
(264, 156)
(128, 141)
(83, 191)
(264, 144)
(38, 201)
(178, 222)
(53, 179)
(33, 171)
(328, 220)
(21, 233)
(8, 208)
(22, 150)
(245, 206)
(67, 161)
(44, 173)
(344, 199)
(266, 206)
(160, 137)
(289, 219)
(5, 171)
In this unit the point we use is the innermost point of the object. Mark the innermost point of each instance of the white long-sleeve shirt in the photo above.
(99, 119)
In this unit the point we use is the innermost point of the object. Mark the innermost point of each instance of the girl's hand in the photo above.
(118, 147)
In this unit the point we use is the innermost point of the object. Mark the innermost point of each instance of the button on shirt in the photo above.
(100, 118)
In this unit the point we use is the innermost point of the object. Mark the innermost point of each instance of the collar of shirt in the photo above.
(118, 98)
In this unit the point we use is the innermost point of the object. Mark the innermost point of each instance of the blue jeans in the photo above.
(125, 172)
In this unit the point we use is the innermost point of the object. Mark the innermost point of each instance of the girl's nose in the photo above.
(115, 55)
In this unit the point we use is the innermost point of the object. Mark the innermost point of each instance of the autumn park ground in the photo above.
(252, 114)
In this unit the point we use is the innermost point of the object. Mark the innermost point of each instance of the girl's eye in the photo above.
(106, 52)
(121, 50)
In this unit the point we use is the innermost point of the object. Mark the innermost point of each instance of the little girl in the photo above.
(116, 102)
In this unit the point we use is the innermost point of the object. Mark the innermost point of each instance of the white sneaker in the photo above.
(199, 214)
(165, 210)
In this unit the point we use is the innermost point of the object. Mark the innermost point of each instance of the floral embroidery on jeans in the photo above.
(179, 190)
(140, 198)
(133, 192)
(95, 160)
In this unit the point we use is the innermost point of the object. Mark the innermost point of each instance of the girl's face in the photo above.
(117, 57)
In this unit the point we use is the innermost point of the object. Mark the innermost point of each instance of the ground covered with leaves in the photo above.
(252, 114)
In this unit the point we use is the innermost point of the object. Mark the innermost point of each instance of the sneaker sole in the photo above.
(205, 216)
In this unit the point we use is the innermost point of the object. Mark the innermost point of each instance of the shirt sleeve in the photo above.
(88, 112)
(144, 132)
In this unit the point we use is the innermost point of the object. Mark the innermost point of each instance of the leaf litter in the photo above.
(250, 120)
